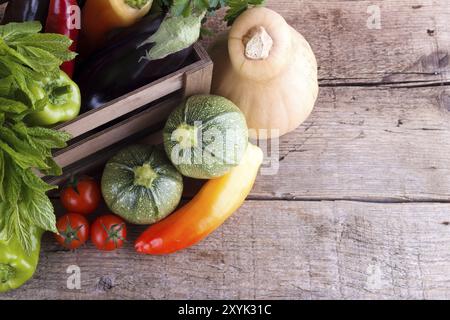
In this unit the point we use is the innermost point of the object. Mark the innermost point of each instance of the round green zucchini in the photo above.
(206, 137)
(141, 185)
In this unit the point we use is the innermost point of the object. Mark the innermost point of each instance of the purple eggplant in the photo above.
(26, 10)
(120, 67)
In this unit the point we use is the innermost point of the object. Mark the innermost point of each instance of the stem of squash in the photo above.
(258, 44)
(186, 136)
(144, 176)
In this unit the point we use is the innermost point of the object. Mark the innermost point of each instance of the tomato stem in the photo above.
(114, 233)
(73, 183)
(70, 234)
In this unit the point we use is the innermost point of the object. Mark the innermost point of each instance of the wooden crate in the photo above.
(132, 116)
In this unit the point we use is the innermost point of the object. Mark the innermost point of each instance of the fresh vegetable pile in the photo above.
(264, 85)
(215, 203)
(205, 137)
(81, 197)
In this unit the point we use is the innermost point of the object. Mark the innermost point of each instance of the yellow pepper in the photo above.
(101, 16)
(209, 209)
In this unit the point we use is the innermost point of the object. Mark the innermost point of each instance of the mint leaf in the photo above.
(25, 57)
(12, 181)
(39, 59)
(22, 161)
(49, 138)
(12, 106)
(54, 168)
(6, 85)
(22, 77)
(19, 226)
(33, 156)
(13, 31)
(55, 44)
(21, 130)
(35, 183)
(18, 57)
(40, 210)
(2, 176)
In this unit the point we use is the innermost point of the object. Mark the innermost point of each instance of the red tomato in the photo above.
(108, 233)
(73, 230)
(82, 196)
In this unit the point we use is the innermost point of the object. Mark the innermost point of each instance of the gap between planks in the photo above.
(388, 85)
(350, 199)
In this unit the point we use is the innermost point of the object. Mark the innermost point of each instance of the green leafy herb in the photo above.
(183, 26)
(26, 56)
(237, 7)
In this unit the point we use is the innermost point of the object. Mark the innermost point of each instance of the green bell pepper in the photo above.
(16, 266)
(64, 100)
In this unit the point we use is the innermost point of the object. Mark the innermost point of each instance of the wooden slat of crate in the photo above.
(116, 133)
(185, 78)
(198, 79)
(193, 79)
(94, 163)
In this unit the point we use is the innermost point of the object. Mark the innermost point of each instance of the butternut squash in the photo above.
(268, 70)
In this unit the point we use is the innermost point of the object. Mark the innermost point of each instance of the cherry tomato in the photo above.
(81, 196)
(73, 230)
(108, 233)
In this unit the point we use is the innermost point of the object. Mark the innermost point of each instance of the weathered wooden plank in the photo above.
(370, 144)
(412, 44)
(112, 135)
(199, 81)
(274, 250)
(367, 144)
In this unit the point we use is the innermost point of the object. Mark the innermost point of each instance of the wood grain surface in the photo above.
(360, 207)
(366, 144)
(274, 250)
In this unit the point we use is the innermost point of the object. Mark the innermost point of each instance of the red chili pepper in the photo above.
(61, 20)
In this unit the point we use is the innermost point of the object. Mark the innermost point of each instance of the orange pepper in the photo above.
(207, 211)
(101, 16)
